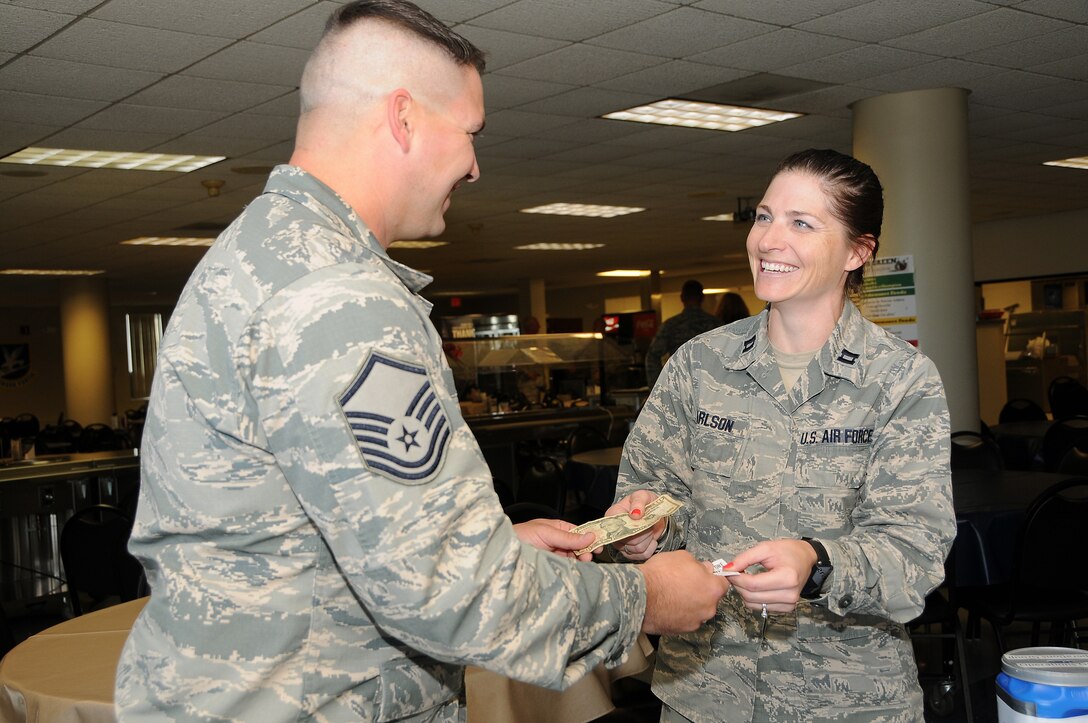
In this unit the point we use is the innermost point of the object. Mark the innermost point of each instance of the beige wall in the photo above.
(41, 391)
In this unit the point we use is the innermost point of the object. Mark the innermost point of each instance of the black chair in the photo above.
(1021, 410)
(584, 439)
(1068, 398)
(96, 561)
(1075, 462)
(1050, 583)
(98, 437)
(544, 487)
(1061, 437)
(53, 439)
(942, 610)
(6, 427)
(971, 450)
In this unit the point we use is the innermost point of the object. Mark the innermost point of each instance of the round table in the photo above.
(65, 673)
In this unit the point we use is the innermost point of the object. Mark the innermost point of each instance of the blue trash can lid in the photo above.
(1049, 666)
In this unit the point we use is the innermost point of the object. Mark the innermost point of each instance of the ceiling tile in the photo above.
(587, 102)
(1073, 10)
(186, 91)
(570, 19)
(582, 65)
(505, 48)
(73, 80)
(270, 128)
(1074, 68)
(253, 63)
(299, 30)
(779, 12)
(502, 91)
(515, 123)
(964, 38)
(460, 11)
(128, 46)
(23, 28)
(149, 119)
(200, 17)
(883, 20)
(775, 50)
(944, 73)
(681, 33)
(220, 145)
(44, 109)
(15, 135)
(1036, 49)
(674, 78)
(285, 105)
(851, 65)
(105, 140)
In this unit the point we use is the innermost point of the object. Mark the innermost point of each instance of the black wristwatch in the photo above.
(820, 571)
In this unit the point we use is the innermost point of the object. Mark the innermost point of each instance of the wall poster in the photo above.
(888, 296)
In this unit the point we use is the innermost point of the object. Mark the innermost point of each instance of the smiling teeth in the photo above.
(777, 268)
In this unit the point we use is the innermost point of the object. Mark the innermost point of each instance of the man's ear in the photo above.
(399, 107)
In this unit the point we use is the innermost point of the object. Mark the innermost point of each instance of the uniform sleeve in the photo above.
(427, 549)
(904, 522)
(655, 456)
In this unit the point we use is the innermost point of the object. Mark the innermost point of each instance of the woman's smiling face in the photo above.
(798, 251)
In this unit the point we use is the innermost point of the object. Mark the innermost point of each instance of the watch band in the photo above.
(820, 571)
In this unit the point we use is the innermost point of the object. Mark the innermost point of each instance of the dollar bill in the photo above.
(619, 527)
(720, 571)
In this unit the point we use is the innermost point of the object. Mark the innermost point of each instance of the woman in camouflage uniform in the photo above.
(811, 448)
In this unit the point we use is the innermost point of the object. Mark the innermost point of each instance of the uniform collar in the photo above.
(843, 355)
(305, 189)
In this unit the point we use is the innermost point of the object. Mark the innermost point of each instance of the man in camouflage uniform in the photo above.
(854, 455)
(318, 525)
(676, 330)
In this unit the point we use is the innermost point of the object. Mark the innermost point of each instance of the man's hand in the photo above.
(554, 536)
(641, 546)
(681, 593)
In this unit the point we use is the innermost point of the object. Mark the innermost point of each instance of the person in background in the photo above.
(793, 438)
(319, 528)
(731, 308)
(676, 330)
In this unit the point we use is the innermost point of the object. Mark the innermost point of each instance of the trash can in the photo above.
(1042, 684)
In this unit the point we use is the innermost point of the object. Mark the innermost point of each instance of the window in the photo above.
(142, 332)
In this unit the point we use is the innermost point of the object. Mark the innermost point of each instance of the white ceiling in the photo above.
(220, 78)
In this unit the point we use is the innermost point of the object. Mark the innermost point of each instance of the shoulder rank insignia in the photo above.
(397, 420)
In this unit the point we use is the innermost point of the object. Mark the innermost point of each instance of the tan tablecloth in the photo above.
(493, 698)
(65, 674)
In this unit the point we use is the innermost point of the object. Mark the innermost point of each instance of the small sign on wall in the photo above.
(15, 370)
(888, 297)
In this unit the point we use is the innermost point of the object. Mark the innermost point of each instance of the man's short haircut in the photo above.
(692, 289)
(413, 19)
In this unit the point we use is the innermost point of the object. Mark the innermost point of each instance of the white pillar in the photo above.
(85, 340)
(917, 144)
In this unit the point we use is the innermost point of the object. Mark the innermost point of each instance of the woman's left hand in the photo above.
(788, 564)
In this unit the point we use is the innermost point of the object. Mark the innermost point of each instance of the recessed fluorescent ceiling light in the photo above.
(169, 241)
(1080, 162)
(51, 272)
(417, 244)
(559, 247)
(583, 209)
(714, 291)
(624, 272)
(719, 217)
(110, 159)
(694, 114)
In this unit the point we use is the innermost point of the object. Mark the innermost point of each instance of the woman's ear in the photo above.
(399, 116)
(861, 251)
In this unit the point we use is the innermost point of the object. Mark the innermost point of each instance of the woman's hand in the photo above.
(643, 545)
(788, 564)
(554, 536)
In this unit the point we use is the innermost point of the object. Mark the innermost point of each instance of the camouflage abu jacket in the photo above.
(856, 456)
(317, 522)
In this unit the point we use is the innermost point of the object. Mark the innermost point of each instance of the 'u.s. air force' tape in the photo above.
(397, 419)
